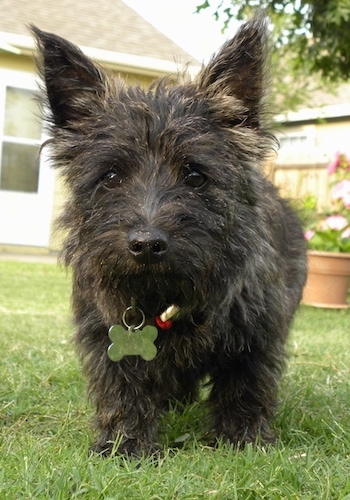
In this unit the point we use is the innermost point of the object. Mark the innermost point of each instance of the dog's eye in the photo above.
(111, 180)
(195, 179)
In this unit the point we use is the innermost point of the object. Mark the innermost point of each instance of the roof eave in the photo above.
(313, 114)
(147, 66)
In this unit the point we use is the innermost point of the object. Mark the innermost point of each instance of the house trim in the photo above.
(24, 45)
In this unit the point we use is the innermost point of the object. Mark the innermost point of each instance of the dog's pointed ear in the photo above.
(238, 69)
(72, 81)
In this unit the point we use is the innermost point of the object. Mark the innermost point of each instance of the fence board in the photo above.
(298, 180)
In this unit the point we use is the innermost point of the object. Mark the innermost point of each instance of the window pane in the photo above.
(20, 168)
(22, 114)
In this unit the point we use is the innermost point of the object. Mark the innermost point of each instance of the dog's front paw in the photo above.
(102, 449)
(134, 448)
(260, 437)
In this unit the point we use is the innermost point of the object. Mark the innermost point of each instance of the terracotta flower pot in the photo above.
(328, 280)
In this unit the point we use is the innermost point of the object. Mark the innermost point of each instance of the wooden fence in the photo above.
(298, 180)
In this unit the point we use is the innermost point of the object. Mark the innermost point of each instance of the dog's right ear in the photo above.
(239, 70)
(72, 81)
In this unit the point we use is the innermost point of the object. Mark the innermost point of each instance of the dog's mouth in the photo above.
(154, 294)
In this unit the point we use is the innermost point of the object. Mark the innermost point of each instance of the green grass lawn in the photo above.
(45, 432)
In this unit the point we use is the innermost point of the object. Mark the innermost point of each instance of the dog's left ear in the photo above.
(238, 69)
(72, 81)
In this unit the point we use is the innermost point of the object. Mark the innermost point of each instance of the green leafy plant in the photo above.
(330, 231)
(315, 33)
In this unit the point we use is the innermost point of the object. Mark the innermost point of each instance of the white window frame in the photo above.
(26, 217)
(297, 140)
(20, 80)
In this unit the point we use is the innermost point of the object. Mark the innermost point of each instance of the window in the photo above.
(20, 141)
(297, 141)
(294, 141)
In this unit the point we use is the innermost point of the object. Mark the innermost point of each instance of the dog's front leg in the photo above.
(244, 396)
(126, 409)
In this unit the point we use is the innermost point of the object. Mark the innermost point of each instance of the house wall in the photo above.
(14, 62)
(26, 63)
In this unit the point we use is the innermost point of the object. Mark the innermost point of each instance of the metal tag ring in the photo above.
(134, 309)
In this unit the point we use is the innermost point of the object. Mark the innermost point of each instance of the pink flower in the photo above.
(346, 233)
(336, 222)
(310, 233)
(340, 160)
(332, 167)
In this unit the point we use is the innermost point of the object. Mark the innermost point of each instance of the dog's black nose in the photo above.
(148, 246)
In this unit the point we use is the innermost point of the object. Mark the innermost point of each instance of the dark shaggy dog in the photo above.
(176, 238)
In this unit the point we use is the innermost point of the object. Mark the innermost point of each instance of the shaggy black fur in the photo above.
(168, 205)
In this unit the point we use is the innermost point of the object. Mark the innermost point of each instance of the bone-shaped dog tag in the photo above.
(131, 342)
